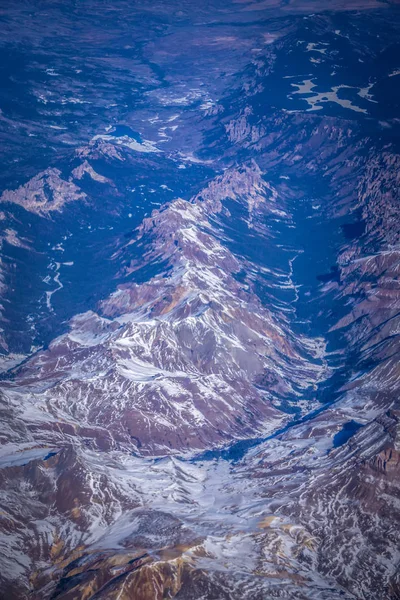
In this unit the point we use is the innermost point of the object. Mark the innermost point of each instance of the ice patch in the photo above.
(145, 146)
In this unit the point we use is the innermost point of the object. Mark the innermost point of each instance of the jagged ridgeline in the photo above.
(200, 301)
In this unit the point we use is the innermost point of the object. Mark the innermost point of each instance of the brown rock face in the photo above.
(44, 193)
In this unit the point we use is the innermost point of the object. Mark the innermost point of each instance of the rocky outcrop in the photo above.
(45, 193)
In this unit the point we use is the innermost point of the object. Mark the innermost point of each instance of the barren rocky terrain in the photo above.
(200, 303)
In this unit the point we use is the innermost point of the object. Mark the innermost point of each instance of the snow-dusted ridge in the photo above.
(176, 362)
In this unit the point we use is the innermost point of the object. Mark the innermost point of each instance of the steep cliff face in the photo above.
(200, 326)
